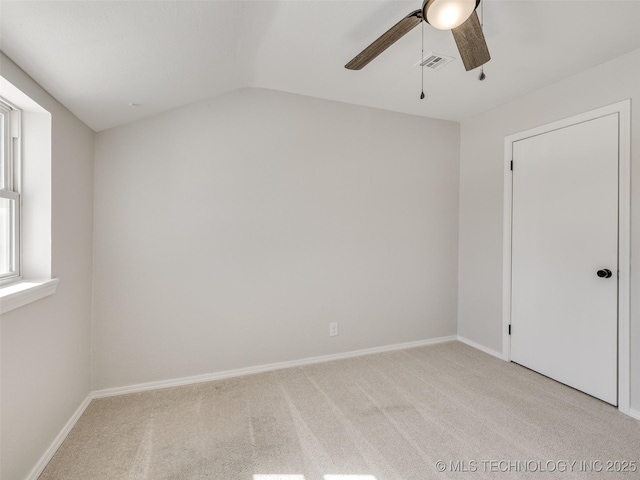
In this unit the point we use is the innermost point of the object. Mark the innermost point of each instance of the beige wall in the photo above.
(229, 234)
(45, 350)
(481, 190)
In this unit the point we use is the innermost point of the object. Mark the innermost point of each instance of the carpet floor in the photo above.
(389, 416)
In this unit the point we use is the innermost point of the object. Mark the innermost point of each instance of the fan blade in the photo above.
(387, 39)
(471, 43)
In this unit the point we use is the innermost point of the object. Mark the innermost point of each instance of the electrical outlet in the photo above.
(333, 329)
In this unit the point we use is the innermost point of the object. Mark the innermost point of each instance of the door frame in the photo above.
(623, 109)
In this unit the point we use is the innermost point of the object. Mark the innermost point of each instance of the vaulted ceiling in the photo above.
(97, 57)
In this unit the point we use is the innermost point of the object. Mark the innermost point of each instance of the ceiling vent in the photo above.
(434, 61)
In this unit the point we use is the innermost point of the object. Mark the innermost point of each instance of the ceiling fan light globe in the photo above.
(448, 14)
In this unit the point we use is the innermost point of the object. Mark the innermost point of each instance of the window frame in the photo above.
(10, 165)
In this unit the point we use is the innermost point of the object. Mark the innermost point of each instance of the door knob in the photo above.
(604, 273)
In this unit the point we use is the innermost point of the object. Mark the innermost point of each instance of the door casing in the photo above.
(624, 233)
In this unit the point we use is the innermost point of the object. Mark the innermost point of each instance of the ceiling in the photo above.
(97, 57)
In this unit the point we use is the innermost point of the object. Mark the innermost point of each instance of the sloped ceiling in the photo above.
(98, 57)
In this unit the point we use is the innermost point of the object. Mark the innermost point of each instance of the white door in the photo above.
(564, 321)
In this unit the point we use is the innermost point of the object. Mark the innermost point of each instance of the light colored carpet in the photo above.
(388, 416)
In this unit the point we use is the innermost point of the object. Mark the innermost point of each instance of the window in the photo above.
(25, 199)
(9, 194)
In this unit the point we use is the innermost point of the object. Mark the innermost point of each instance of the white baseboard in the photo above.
(634, 413)
(44, 460)
(482, 348)
(208, 377)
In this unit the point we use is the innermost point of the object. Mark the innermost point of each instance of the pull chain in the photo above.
(482, 76)
(422, 60)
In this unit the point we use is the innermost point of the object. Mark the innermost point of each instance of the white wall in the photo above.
(481, 190)
(45, 351)
(229, 234)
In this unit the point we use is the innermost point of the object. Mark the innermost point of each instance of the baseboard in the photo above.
(482, 348)
(634, 413)
(44, 460)
(176, 382)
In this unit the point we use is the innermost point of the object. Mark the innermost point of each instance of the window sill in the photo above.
(27, 291)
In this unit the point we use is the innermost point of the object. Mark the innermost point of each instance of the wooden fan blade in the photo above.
(471, 43)
(387, 39)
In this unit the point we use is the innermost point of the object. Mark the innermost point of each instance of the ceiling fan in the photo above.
(459, 16)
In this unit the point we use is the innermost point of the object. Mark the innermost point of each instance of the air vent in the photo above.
(434, 61)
